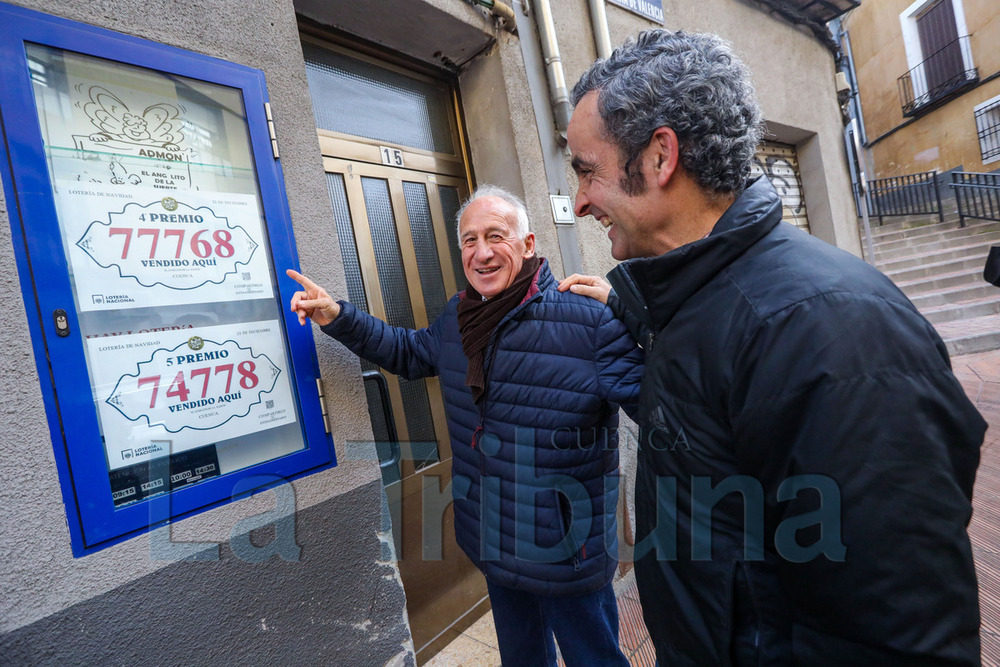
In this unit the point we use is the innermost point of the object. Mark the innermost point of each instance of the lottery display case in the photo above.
(152, 230)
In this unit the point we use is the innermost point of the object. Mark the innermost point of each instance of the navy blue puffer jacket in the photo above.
(534, 468)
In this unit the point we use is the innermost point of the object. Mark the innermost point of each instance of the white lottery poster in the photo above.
(168, 392)
(144, 247)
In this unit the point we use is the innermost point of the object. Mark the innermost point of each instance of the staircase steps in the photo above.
(961, 310)
(930, 246)
(939, 266)
(978, 334)
(894, 224)
(955, 295)
(971, 251)
(942, 281)
(925, 270)
(911, 237)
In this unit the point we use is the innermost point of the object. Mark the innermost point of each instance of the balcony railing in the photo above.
(978, 195)
(936, 79)
(912, 194)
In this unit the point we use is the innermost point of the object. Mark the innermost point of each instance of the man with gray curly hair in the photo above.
(807, 458)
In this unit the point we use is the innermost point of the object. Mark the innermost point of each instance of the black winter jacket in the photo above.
(807, 457)
(535, 463)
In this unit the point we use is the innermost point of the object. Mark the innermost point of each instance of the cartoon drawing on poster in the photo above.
(143, 248)
(146, 145)
(223, 382)
(158, 125)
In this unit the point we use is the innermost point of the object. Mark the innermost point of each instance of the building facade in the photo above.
(928, 78)
(382, 120)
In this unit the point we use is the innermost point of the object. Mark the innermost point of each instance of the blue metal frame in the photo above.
(94, 523)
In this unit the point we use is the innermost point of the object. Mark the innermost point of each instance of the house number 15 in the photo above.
(391, 156)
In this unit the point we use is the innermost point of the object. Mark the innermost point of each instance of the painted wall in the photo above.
(341, 602)
(941, 139)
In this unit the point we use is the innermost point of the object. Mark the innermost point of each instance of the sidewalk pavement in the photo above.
(477, 646)
(980, 376)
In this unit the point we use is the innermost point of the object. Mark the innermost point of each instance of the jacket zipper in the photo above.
(566, 522)
(487, 365)
(633, 300)
(581, 554)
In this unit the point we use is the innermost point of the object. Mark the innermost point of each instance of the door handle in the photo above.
(382, 387)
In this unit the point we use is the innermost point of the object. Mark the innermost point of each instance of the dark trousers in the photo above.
(586, 627)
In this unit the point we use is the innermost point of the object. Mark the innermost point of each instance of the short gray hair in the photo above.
(487, 190)
(691, 83)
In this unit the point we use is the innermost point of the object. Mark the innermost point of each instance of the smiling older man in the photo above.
(532, 378)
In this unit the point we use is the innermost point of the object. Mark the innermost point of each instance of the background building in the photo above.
(384, 119)
(928, 78)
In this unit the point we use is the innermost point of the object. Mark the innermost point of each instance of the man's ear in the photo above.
(529, 245)
(663, 154)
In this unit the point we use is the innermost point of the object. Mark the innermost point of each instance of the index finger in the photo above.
(300, 279)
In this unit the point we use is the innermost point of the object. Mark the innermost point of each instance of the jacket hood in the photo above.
(658, 286)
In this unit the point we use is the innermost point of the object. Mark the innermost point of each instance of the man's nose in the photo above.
(582, 204)
(483, 250)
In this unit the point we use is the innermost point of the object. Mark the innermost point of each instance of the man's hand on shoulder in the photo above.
(312, 301)
(593, 286)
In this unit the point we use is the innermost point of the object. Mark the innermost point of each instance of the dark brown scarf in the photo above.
(478, 318)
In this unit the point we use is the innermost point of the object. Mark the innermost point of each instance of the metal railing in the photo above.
(978, 195)
(936, 78)
(912, 194)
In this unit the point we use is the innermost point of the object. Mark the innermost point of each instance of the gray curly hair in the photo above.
(691, 83)
(487, 190)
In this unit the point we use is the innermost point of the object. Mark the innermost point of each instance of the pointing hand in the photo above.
(312, 301)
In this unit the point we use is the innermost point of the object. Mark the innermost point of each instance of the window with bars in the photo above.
(988, 127)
